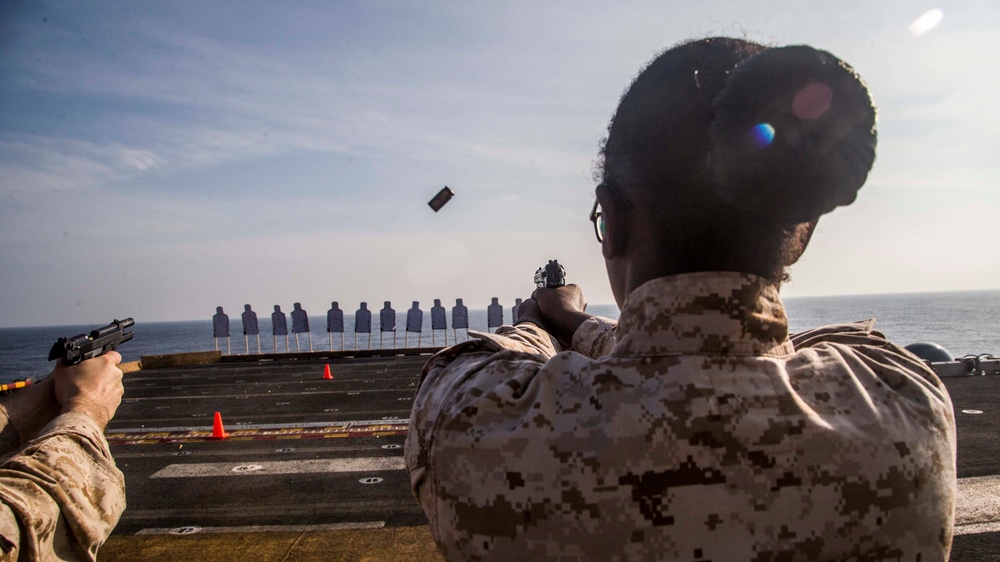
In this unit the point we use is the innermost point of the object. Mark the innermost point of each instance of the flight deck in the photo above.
(312, 467)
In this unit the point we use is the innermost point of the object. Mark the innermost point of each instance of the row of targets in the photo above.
(335, 325)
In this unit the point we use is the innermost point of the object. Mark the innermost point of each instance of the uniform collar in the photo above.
(708, 313)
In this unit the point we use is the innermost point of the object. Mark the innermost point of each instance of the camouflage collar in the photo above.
(710, 313)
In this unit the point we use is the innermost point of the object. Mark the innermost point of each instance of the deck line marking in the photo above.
(267, 395)
(342, 508)
(272, 528)
(977, 505)
(977, 528)
(330, 424)
(323, 447)
(270, 468)
(206, 437)
(265, 435)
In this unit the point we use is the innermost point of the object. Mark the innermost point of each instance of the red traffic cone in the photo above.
(326, 372)
(218, 432)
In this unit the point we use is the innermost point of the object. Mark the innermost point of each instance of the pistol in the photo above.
(550, 275)
(97, 342)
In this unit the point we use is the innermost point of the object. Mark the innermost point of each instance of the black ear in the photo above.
(615, 210)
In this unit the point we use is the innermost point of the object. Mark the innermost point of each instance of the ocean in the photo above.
(965, 323)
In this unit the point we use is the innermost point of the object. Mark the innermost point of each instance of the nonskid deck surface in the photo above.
(303, 452)
(977, 413)
(316, 465)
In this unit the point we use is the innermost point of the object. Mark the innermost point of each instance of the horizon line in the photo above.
(208, 318)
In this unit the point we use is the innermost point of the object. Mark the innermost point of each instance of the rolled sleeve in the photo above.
(595, 337)
(61, 494)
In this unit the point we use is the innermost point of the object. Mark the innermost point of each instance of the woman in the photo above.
(695, 428)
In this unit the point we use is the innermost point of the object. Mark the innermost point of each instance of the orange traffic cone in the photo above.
(218, 432)
(326, 372)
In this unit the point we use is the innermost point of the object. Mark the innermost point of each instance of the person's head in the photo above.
(218, 310)
(277, 308)
(723, 154)
(246, 308)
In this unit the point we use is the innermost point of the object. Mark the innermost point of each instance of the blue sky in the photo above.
(161, 159)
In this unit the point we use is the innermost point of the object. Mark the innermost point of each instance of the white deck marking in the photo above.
(271, 528)
(977, 503)
(977, 506)
(978, 528)
(201, 470)
(345, 424)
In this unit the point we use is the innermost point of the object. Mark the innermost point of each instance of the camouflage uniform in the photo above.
(61, 495)
(695, 429)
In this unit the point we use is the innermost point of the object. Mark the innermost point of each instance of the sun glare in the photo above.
(926, 22)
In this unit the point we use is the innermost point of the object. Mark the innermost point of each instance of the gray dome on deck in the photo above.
(929, 351)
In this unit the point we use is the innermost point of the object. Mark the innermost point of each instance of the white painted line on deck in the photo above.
(977, 505)
(268, 395)
(978, 528)
(202, 470)
(269, 528)
(352, 423)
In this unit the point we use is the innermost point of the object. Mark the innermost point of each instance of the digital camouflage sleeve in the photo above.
(695, 429)
(61, 494)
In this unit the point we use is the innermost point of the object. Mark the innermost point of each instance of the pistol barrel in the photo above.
(97, 342)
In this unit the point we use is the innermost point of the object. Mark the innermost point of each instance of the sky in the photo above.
(159, 159)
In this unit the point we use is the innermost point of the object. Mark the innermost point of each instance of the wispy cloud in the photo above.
(32, 164)
(256, 134)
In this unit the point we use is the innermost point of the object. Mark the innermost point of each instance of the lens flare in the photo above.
(812, 101)
(762, 135)
(926, 22)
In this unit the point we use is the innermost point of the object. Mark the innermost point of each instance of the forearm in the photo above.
(561, 311)
(591, 335)
(565, 325)
(65, 480)
(529, 337)
(23, 414)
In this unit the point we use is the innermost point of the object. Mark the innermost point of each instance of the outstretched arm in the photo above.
(562, 312)
(24, 412)
(61, 494)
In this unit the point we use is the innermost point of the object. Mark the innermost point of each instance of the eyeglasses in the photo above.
(597, 215)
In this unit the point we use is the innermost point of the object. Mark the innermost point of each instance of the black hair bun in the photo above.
(793, 135)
